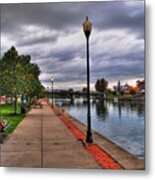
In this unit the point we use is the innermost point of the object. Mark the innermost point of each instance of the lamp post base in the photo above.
(89, 138)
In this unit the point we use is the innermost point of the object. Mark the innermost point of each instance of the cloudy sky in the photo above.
(52, 34)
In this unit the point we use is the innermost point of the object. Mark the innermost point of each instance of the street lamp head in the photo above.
(52, 79)
(87, 27)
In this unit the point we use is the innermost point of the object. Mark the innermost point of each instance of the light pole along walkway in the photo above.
(43, 140)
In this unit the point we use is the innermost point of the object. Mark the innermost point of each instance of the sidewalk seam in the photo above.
(41, 139)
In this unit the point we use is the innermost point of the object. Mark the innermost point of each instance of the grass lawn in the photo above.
(6, 113)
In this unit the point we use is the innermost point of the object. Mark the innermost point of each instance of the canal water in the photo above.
(121, 122)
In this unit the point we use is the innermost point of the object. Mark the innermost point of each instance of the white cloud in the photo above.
(115, 42)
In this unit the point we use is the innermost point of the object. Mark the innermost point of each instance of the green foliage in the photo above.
(6, 112)
(18, 75)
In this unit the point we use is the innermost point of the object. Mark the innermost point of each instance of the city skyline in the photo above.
(52, 34)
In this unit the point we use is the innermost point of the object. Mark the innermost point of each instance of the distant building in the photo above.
(122, 89)
(141, 86)
(125, 88)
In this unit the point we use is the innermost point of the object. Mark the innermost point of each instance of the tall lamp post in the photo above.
(87, 27)
(52, 82)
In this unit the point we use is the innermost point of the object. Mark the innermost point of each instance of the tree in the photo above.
(18, 76)
(101, 85)
(84, 89)
(132, 91)
(8, 80)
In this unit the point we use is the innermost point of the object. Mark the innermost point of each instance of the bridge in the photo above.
(73, 94)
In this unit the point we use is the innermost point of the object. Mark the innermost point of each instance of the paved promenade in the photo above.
(42, 140)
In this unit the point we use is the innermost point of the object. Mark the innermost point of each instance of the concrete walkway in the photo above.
(42, 140)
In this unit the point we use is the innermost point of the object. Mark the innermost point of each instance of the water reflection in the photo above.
(129, 107)
(122, 122)
(101, 109)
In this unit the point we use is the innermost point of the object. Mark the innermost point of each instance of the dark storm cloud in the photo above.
(54, 15)
(30, 42)
(63, 16)
(46, 31)
(65, 55)
(72, 70)
(121, 71)
(121, 16)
